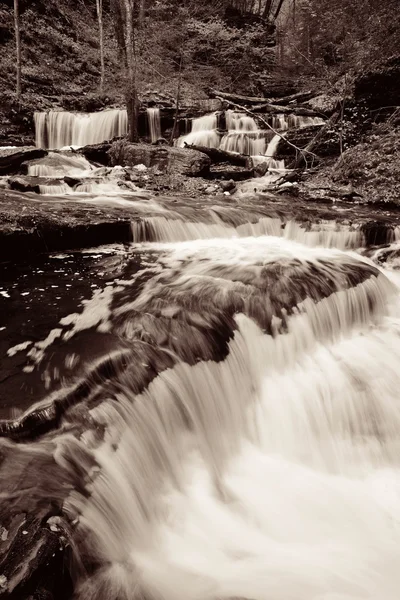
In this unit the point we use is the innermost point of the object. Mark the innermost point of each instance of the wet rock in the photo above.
(33, 226)
(166, 159)
(97, 153)
(228, 186)
(72, 181)
(261, 169)
(33, 563)
(211, 189)
(11, 160)
(32, 183)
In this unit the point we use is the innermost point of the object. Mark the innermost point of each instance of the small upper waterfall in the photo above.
(153, 117)
(244, 135)
(56, 129)
(284, 122)
(203, 132)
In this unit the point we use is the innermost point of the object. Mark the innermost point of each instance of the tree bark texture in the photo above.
(18, 46)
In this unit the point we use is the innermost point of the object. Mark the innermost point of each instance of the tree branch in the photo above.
(282, 136)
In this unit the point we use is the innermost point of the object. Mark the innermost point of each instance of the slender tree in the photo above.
(99, 9)
(178, 97)
(127, 20)
(18, 46)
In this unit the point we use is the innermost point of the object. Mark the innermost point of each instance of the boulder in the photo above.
(30, 184)
(12, 159)
(227, 186)
(324, 103)
(72, 181)
(169, 160)
(97, 153)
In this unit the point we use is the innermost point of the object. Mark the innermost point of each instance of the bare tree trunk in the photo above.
(267, 9)
(99, 8)
(132, 101)
(18, 46)
(142, 9)
(117, 11)
(178, 97)
(278, 10)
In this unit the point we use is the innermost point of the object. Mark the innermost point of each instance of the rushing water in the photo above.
(217, 410)
(56, 129)
(244, 442)
(153, 116)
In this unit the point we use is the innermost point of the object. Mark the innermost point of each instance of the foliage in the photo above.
(330, 37)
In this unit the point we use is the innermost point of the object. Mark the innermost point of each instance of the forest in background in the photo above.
(254, 47)
(231, 45)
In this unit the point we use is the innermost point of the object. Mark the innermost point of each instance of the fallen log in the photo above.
(303, 96)
(286, 110)
(11, 163)
(262, 120)
(277, 105)
(217, 156)
(301, 158)
(237, 97)
(229, 172)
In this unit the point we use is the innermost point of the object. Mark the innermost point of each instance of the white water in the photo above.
(203, 133)
(164, 229)
(244, 136)
(270, 471)
(57, 129)
(273, 474)
(58, 165)
(153, 117)
(284, 122)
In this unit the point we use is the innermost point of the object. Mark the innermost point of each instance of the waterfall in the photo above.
(153, 116)
(167, 229)
(248, 445)
(203, 132)
(244, 135)
(230, 428)
(58, 129)
(284, 122)
(55, 189)
(58, 165)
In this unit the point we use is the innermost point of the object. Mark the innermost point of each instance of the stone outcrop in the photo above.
(324, 103)
(97, 153)
(12, 159)
(380, 87)
(169, 160)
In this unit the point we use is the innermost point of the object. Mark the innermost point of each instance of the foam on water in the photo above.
(272, 474)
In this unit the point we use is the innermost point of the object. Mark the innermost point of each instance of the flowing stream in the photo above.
(235, 431)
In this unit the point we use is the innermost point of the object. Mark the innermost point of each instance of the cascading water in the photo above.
(203, 132)
(58, 165)
(284, 122)
(237, 434)
(58, 129)
(248, 446)
(244, 136)
(153, 117)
